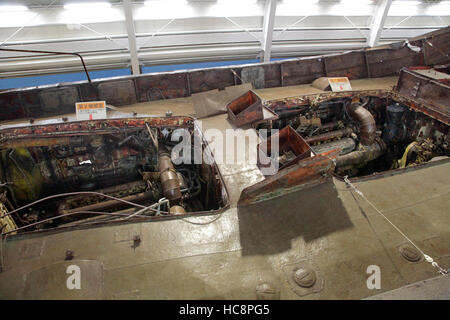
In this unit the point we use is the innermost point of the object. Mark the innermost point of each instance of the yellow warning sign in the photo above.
(340, 84)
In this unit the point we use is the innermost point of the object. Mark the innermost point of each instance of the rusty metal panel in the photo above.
(255, 75)
(162, 86)
(386, 62)
(88, 91)
(117, 93)
(306, 172)
(351, 65)
(436, 49)
(204, 80)
(430, 96)
(31, 102)
(289, 140)
(302, 71)
(245, 109)
(11, 106)
(272, 75)
(59, 100)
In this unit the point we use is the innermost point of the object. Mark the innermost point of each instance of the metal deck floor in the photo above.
(228, 256)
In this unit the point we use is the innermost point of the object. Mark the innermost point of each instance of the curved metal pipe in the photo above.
(52, 53)
(345, 132)
(367, 125)
(366, 154)
(168, 175)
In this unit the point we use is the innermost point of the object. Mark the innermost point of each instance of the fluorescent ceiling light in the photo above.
(6, 8)
(357, 2)
(301, 2)
(236, 1)
(87, 5)
(171, 2)
(408, 3)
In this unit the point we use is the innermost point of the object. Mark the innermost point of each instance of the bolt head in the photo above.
(69, 255)
(410, 253)
(305, 277)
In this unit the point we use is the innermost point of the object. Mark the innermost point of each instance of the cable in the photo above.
(73, 213)
(427, 257)
(204, 223)
(78, 193)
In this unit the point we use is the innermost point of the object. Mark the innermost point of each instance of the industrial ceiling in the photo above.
(132, 34)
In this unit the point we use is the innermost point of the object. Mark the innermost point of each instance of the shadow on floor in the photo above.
(268, 227)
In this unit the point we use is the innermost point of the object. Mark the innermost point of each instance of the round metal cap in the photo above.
(305, 277)
(410, 253)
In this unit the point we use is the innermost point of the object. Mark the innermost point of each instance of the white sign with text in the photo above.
(91, 110)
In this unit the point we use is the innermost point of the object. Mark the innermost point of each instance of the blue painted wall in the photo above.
(69, 77)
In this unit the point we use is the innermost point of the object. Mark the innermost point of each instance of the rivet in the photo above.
(69, 255)
(410, 253)
(305, 277)
(136, 241)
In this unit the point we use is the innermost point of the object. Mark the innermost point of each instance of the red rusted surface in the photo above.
(288, 140)
(58, 133)
(305, 172)
(286, 106)
(429, 96)
(337, 134)
(245, 109)
(89, 127)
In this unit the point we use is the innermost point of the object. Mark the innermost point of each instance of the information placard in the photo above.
(340, 84)
(91, 110)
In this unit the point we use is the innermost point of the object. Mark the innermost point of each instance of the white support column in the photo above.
(378, 20)
(269, 18)
(131, 36)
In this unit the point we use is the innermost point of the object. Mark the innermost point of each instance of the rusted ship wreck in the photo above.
(362, 180)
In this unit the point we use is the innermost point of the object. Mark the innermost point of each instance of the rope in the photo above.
(427, 257)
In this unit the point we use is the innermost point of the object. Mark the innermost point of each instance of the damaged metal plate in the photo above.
(255, 75)
(248, 109)
(214, 102)
(306, 172)
(431, 96)
(59, 100)
(117, 93)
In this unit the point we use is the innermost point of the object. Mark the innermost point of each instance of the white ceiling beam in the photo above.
(378, 20)
(127, 6)
(269, 18)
